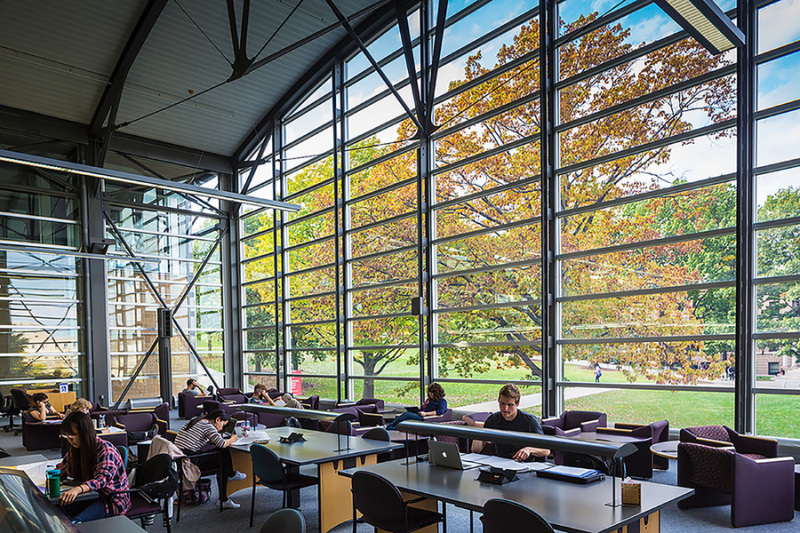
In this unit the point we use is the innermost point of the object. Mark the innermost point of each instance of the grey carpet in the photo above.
(207, 518)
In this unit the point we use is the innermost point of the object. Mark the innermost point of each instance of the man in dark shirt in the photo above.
(510, 418)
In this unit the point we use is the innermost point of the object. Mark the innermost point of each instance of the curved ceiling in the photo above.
(164, 73)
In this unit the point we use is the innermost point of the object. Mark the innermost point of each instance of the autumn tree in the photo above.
(502, 191)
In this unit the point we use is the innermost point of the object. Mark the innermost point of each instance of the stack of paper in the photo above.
(502, 462)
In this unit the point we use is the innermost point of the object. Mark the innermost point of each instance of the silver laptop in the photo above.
(447, 454)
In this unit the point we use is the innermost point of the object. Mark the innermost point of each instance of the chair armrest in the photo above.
(574, 432)
(346, 404)
(756, 445)
(554, 421)
(118, 425)
(590, 425)
(162, 427)
(614, 431)
(713, 443)
(762, 490)
(625, 425)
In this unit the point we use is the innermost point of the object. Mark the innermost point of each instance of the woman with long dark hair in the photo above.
(94, 464)
(203, 434)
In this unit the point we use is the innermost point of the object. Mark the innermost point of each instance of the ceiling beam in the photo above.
(376, 21)
(113, 92)
(50, 128)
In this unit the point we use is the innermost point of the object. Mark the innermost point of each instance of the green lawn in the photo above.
(776, 414)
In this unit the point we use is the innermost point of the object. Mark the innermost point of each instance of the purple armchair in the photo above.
(190, 405)
(231, 394)
(760, 491)
(38, 435)
(640, 464)
(141, 426)
(585, 420)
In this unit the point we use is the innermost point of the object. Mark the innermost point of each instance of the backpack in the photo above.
(147, 434)
(291, 422)
(199, 494)
(580, 460)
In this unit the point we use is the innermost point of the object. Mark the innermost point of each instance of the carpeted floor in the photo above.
(207, 518)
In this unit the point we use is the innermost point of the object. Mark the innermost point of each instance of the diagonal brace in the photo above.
(353, 35)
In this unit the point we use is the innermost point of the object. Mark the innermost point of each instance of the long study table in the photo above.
(324, 450)
(567, 506)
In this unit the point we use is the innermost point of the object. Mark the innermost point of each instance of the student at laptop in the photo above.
(510, 418)
(435, 405)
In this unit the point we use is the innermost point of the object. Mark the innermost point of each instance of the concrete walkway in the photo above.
(532, 400)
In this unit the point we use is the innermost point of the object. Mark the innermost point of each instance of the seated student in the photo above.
(291, 402)
(81, 404)
(40, 408)
(202, 434)
(435, 405)
(96, 465)
(194, 388)
(261, 396)
(510, 418)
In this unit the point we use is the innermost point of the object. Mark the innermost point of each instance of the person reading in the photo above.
(194, 388)
(203, 434)
(95, 464)
(434, 405)
(81, 404)
(291, 402)
(510, 418)
(40, 408)
(261, 396)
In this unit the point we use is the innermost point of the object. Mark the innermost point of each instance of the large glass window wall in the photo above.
(42, 333)
(645, 136)
(182, 236)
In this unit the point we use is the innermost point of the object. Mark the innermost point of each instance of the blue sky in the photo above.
(777, 80)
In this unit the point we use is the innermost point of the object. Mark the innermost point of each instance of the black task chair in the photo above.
(382, 506)
(284, 521)
(21, 401)
(8, 408)
(156, 479)
(270, 472)
(502, 516)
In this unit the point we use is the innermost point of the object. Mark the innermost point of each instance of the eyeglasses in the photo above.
(68, 437)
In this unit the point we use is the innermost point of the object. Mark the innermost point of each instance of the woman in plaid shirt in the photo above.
(96, 465)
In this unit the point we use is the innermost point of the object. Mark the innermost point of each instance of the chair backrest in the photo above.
(136, 421)
(21, 399)
(267, 466)
(574, 419)
(123, 452)
(377, 433)
(157, 477)
(502, 516)
(378, 499)
(713, 432)
(709, 466)
(377, 402)
(284, 521)
(369, 419)
(342, 428)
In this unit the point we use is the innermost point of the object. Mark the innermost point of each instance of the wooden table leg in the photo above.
(428, 504)
(649, 524)
(244, 464)
(335, 498)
